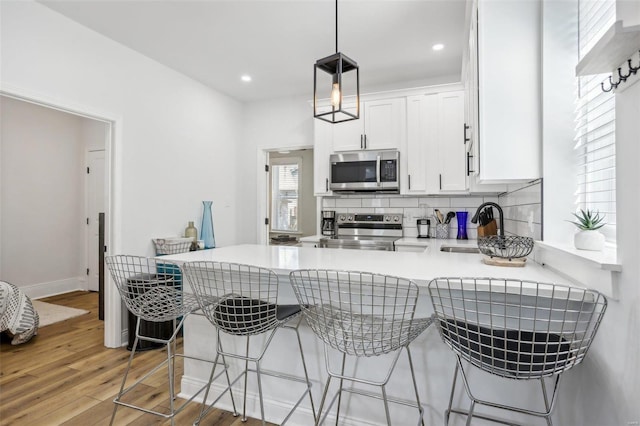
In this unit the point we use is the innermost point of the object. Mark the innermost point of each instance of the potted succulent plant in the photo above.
(588, 237)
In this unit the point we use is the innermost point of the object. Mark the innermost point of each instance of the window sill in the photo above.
(592, 269)
(605, 259)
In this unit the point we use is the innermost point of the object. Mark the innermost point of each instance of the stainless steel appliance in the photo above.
(328, 224)
(424, 226)
(365, 171)
(365, 231)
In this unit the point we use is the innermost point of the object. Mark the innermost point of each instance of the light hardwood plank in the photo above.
(65, 376)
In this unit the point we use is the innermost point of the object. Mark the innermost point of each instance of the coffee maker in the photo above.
(423, 228)
(328, 224)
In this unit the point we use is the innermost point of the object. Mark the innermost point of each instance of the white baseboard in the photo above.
(52, 288)
(275, 410)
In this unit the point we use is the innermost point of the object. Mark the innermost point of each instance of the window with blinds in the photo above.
(285, 186)
(595, 122)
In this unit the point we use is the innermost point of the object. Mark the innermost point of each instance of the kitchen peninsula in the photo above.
(433, 361)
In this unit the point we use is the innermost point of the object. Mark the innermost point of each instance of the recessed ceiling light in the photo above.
(246, 78)
(438, 46)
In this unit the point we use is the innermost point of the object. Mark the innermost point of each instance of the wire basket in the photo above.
(172, 245)
(507, 247)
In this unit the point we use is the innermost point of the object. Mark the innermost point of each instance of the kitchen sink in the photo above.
(459, 249)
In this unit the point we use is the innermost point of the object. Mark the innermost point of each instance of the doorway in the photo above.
(56, 195)
(290, 204)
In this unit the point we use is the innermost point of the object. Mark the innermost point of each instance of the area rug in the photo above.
(51, 314)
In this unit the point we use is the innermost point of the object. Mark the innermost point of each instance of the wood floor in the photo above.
(65, 376)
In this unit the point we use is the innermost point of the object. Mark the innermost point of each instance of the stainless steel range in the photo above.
(365, 231)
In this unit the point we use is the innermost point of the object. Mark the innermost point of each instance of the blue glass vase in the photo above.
(461, 217)
(206, 233)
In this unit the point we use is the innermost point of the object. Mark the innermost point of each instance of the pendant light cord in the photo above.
(336, 26)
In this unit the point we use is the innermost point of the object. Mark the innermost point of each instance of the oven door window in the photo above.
(353, 171)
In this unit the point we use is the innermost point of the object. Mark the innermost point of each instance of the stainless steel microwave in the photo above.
(364, 171)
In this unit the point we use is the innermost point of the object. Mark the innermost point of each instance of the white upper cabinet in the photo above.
(380, 127)
(421, 129)
(451, 147)
(506, 142)
(435, 151)
(321, 150)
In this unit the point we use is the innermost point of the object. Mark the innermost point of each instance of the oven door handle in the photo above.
(378, 170)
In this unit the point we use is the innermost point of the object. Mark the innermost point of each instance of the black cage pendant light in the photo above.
(335, 78)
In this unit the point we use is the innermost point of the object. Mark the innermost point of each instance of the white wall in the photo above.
(279, 123)
(178, 138)
(559, 90)
(175, 140)
(42, 198)
(605, 388)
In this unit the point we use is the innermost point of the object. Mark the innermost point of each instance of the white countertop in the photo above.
(421, 267)
(415, 241)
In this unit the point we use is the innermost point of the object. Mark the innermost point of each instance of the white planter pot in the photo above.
(588, 240)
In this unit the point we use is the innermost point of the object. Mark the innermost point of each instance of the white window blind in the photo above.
(285, 184)
(595, 122)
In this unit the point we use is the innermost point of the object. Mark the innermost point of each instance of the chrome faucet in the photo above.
(474, 219)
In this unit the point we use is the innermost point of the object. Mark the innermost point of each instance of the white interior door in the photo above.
(96, 205)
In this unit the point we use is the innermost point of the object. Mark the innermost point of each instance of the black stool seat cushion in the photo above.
(243, 315)
(512, 351)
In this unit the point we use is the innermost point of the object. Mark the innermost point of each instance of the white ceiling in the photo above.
(277, 42)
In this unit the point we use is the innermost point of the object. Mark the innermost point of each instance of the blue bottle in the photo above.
(461, 217)
(206, 232)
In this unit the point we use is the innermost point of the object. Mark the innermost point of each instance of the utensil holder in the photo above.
(442, 231)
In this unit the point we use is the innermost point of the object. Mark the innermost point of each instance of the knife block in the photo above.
(490, 228)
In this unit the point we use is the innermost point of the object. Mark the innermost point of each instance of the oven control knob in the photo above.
(342, 218)
(387, 218)
(350, 218)
(396, 218)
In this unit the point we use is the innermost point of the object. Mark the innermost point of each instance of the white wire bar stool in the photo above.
(245, 304)
(152, 290)
(361, 315)
(514, 329)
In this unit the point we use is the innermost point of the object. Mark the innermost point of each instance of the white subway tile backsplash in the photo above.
(466, 201)
(328, 203)
(410, 231)
(403, 202)
(342, 203)
(375, 202)
(491, 199)
(435, 201)
(522, 208)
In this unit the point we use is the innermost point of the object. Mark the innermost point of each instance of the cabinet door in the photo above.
(321, 152)
(383, 123)
(451, 142)
(421, 132)
(349, 135)
(509, 107)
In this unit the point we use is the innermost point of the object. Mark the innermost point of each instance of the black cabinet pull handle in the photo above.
(365, 141)
(361, 144)
(409, 181)
(466, 139)
(469, 157)
(440, 175)
(326, 184)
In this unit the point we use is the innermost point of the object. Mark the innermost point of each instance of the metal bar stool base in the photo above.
(376, 396)
(118, 402)
(264, 373)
